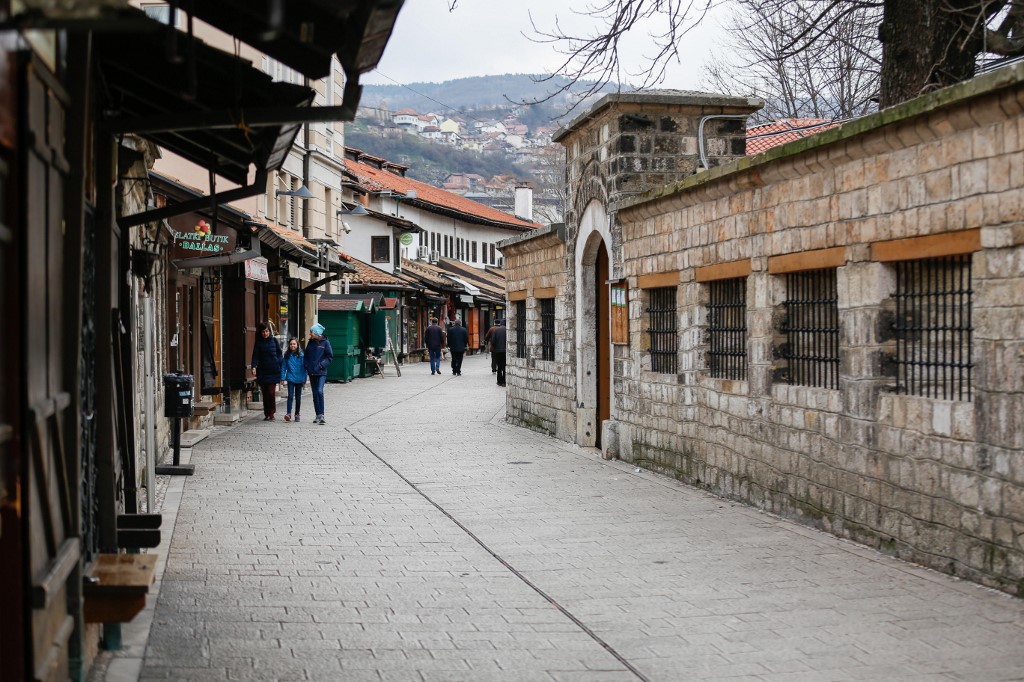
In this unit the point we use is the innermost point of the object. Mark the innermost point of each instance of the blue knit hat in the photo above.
(317, 329)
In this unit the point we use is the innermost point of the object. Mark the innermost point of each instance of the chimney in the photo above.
(524, 202)
(632, 142)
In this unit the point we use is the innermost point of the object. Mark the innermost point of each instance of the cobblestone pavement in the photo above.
(418, 537)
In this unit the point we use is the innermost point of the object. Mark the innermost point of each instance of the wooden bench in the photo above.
(116, 586)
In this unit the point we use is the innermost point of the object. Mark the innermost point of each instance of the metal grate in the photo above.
(727, 329)
(663, 330)
(812, 328)
(933, 327)
(520, 329)
(547, 329)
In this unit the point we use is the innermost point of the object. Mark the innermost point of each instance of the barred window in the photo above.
(933, 327)
(812, 328)
(520, 329)
(727, 329)
(663, 329)
(547, 329)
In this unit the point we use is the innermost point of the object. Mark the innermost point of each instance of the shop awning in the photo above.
(145, 83)
(305, 34)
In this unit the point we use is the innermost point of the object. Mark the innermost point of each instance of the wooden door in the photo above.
(12, 595)
(50, 483)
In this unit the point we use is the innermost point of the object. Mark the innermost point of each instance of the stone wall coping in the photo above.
(690, 98)
(556, 230)
(736, 172)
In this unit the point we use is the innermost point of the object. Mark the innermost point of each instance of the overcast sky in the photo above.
(485, 37)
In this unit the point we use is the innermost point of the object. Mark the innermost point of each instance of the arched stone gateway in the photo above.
(593, 346)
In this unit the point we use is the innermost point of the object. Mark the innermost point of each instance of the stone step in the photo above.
(190, 438)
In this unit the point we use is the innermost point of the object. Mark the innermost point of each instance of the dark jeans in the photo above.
(316, 385)
(295, 390)
(269, 392)
(457, 361)
(499, 361)
(435, 360)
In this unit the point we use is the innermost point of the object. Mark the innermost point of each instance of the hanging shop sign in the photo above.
(256, 269)
(299, 272)
(406, 239)
(194, 236)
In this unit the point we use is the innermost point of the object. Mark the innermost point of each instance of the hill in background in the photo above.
(464, 95)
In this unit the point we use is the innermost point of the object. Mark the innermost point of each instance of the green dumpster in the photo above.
(343, 331)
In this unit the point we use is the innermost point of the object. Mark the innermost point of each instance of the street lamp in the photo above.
(358, 210)
(300, 193)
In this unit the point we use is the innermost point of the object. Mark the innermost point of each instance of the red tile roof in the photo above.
(366, 274)
(339, 304)
(379, 180)
(763, 137)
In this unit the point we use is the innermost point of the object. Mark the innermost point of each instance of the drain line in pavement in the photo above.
(565, 612)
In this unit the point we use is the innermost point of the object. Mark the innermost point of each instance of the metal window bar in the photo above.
(547, 328)
(520, 329)
(727, 329)
(934, 332)
(812, 328)
(663, 330)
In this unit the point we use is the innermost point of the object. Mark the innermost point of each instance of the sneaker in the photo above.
(266, 417)
(297, 418)
(288, 418)
(270, 418)
(321, 420)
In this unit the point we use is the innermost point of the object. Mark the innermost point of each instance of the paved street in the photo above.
(417, 537)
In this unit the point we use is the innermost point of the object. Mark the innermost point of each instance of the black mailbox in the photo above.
(178, 395)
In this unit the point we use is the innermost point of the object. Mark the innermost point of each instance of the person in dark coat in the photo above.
(434, 339)
(497, 337)
(266, 360)
(487, 341)
(458, 341)
(319, 356)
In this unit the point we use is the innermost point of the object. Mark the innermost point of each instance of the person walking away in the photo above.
(490, 349)
(458, 341)
(293, 373)
(318, 357)
(266, 361)
(434, 338)
(498, 346)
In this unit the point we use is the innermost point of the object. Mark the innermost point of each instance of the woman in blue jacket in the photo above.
(293, 372)
(266, 360)
(318, 357)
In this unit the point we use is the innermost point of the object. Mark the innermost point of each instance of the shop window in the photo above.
(547, 329)
(379, 250)
(727, 329)
(933, 327)
(662, 329)
(811, 327)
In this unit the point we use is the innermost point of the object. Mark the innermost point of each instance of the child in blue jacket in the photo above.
(294, 372)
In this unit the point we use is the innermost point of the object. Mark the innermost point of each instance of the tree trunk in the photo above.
(926, 45)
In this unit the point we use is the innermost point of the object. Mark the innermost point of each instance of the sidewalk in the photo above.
(418, 537)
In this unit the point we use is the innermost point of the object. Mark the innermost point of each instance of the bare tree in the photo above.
(834, 77)
(925, 43)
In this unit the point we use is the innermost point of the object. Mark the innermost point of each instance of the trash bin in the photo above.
(178, 401)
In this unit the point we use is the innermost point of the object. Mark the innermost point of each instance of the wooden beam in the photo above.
(730, 270)
(658, 280)
(802, 261)
(931, 246)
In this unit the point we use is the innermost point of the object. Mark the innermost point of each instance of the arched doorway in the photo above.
(593, 342)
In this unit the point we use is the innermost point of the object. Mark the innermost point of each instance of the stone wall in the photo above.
(933, 480)
(540, 393)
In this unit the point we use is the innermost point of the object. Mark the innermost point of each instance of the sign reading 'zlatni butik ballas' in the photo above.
(195, 237)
